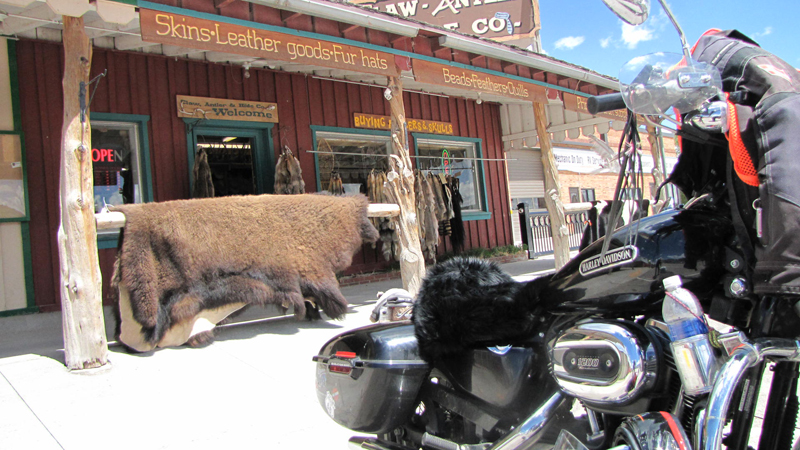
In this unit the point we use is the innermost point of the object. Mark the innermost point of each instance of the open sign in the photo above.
(106, 155)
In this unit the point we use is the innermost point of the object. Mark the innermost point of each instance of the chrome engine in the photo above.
(605, 362)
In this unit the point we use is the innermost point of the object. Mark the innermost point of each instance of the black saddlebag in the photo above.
(368, 378)
(764, 142)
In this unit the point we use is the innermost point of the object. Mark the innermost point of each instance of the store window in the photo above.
(345, 160)
(578, 195)
(13, 204)
(120, 162)
(457, 157)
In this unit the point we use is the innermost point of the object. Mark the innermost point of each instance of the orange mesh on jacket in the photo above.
(742, 163)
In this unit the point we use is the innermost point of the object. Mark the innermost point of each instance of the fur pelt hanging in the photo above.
(186, 260)
(466, 303)
(203, 184)
(436, 188)
(456, 223)
(386, 226)
(426, 216)
(288, 174)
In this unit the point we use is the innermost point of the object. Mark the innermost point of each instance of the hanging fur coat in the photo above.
(288, 174)
(203, 184)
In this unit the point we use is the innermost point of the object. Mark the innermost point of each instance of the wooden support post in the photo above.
(552, 188)
(658, 167)
(400, 187)
(85, 345)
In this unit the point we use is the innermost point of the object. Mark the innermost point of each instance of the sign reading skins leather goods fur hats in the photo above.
(225, 37)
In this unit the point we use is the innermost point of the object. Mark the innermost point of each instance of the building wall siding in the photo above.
(147, 84)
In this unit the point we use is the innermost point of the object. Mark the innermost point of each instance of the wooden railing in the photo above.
(115, 219)
(536, 231)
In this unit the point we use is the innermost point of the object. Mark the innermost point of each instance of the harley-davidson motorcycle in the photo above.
(623, 354)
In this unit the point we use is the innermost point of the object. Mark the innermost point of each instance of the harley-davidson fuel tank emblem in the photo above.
(613, 258)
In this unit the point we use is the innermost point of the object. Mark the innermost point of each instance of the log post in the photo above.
(400, 188)
(658, 167)
(85, 345)
(552, 188)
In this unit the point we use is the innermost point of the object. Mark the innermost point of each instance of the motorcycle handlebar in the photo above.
(606, 102)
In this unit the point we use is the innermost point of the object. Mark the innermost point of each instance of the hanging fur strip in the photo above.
(426, 216)
(436, 188)
(288, 174)
(203, 184)
(456, 223)
(186, 262)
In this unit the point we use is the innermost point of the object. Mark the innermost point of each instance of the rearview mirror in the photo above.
(632, 12)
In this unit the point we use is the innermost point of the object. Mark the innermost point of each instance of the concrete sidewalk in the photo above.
(253, 388)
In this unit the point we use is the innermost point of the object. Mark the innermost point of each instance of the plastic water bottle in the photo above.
(691, 348)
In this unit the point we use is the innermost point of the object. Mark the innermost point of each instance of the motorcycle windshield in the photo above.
(655, 83)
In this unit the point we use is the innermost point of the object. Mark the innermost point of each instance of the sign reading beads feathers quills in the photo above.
(225, 109)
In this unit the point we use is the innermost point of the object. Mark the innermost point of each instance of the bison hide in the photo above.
(185, 265)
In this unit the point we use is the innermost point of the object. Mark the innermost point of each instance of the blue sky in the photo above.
(587, 33)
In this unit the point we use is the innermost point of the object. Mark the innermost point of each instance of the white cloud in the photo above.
(631, 36)
(606, 42)
(767, 30)
(569, 42)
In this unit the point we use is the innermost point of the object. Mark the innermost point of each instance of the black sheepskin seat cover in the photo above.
(465, 303)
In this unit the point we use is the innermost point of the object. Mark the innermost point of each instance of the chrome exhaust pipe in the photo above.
(745, 356)
(530, 431)
(526, 434)
(370, 443)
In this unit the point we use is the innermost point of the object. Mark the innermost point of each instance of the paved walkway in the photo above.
(253, 388)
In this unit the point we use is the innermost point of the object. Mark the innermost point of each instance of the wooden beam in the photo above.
(130, 42)
(658, 168)
(400, 189)
(85, 345)
(478, 60)
(347, 28)
(223, 3)
(552, 188)
(115, 219)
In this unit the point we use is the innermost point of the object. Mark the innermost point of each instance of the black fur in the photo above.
(465, 303)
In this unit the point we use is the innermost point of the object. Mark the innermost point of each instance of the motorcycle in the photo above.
(597, 357)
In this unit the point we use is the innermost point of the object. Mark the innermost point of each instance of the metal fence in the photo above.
(537, 234)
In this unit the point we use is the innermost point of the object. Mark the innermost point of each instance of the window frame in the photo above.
(316, 130)
(480, 176)
(109, 239)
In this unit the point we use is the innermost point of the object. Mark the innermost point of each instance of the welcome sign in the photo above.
(211, 35)
(225, 109)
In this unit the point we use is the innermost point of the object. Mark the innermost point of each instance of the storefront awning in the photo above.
(119, 25)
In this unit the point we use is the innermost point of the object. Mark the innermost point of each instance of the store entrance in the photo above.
(239, 159)
(230, 161)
